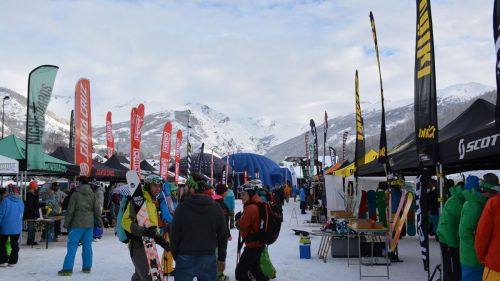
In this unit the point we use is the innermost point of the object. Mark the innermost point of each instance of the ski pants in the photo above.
(204, 268)
(250, 264)
(470, 273)
(140, 261)
(231, 219)
(451, 263)
(168, 259)
(77, 234)
(14, 244)
(31, 231)
(490, 275)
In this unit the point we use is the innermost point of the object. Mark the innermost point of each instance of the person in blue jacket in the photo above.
(229, 201)
(11, 220)
(167, 200)
(303, 204)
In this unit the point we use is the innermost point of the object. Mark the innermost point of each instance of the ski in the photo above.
(401, 222)
(138, 202)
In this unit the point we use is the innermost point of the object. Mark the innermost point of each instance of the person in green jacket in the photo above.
(472, 269)
(83, 208)
(447, 233)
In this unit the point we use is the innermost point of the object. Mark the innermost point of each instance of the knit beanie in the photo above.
(472, 182)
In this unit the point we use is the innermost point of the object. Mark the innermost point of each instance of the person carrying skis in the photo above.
(248, 225)
(167, 200)
(151, 189)
(198, 229)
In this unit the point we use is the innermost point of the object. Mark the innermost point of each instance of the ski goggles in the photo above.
(154, 179)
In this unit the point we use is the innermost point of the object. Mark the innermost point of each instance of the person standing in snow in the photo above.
(82, 210)
(303, 196)
(167, 201)
(198, 229)
(11, 220)
(248, 225)
(487, 244)
(229, 201)
(31, 211)
(471, 268)
(447, 233)
(151, 189)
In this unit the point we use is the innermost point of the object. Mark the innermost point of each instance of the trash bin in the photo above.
(305, 247)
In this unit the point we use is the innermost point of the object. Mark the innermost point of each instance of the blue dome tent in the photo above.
(278, 176)
(254, 164)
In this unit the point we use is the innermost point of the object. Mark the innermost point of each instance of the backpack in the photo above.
(122, 234)
(270, 219)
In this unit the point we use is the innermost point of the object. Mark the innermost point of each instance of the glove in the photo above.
(238, 216)
(149, 232)
(162, 242)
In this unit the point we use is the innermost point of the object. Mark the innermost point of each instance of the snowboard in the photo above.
(401, 221)
(138, 202)
(372, 204)
(410, 223)
(381, 206)
(401, 199)
(363, 206)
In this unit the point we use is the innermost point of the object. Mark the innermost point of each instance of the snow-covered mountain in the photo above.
(217, 130)
(225, 135)
(399, 116)
(56, 128)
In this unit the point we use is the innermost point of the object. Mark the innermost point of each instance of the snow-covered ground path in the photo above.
(112, 262)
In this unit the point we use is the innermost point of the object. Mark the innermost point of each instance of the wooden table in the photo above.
(366, 230)
(46, 222)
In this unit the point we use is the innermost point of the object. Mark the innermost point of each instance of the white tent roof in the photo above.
(8, 166)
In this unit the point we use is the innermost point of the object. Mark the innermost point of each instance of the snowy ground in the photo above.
(112, 262)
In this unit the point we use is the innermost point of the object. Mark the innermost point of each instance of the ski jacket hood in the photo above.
(198, 203)
(471, 212)
(449, 221)
(11, 215)
(83, 208)
(487, 243)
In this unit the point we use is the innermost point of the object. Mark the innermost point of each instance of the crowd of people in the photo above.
(467, 228)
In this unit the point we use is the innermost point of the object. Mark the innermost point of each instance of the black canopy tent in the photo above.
(99, 170)
(470, 142)
(114, 163)
(145, 166)
(219, 165)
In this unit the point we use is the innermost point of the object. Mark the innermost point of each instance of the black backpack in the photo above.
(270, 219)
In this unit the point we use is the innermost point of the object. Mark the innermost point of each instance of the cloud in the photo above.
(284, 60)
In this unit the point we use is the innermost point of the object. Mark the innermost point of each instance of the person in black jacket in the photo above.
(198, 228)
(31, 211)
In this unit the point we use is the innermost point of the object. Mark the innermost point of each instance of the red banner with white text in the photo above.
(83, 127)
(165, 150)
(178, 141)
(137, 119)
(110, 139)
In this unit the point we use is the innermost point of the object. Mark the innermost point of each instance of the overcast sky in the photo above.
(280, 59)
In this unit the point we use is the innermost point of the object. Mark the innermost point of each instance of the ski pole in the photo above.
(238, 250)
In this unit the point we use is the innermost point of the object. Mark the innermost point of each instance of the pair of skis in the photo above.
(139, 204)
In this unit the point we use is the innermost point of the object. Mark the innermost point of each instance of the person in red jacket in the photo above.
(487, 243)
(248, 225)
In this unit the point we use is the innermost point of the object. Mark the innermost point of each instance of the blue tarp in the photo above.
(253, 163)
(278, 176)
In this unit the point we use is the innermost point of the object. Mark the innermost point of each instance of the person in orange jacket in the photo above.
(248, 225)
(487, 243)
